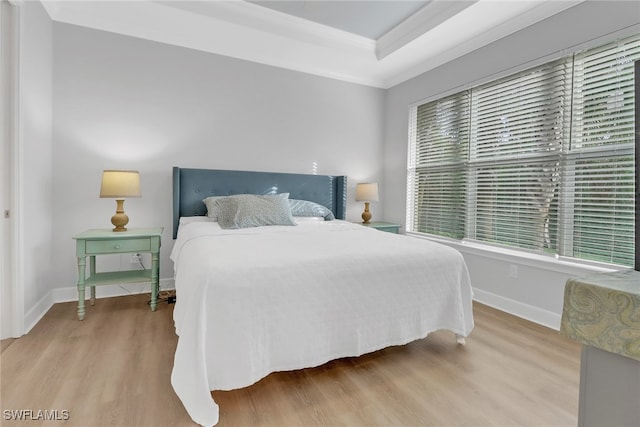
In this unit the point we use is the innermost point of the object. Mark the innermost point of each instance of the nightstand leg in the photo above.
(92, 271)
(81, 274)
(155, 279)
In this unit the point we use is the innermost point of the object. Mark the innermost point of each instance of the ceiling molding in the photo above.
(427, 18)
(438, 33)
(271, 21)
(444, 44)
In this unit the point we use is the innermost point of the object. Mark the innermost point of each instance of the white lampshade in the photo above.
(120, 184)
(367, 192)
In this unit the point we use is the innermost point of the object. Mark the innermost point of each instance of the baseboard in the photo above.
(57, 295)
(35, 313)
(529, 312)
(71, 293)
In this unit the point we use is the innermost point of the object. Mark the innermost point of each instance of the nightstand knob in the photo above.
(117, 246)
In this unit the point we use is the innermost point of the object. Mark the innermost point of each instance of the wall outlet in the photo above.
(513, 271)
(135, 258)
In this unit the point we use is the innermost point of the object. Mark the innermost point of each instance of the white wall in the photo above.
(35, 156)
(537, 291)
(122, 102)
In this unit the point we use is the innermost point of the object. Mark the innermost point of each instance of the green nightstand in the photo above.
(105, 241)
(383, 226)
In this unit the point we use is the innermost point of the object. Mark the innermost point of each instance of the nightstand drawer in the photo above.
(110, 247)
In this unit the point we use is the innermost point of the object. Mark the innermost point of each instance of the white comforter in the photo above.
(259, 300)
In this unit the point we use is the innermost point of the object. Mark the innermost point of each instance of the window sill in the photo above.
(546, 262)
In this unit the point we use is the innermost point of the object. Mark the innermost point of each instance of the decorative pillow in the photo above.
(213, 208)
(307, 208)
(250, 210)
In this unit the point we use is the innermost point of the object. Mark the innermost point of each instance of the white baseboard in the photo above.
(519, 309)
(37, 312)
(71, 293)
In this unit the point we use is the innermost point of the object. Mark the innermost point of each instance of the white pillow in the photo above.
(305, 219)
(190, 219)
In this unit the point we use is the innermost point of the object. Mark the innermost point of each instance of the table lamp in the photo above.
(366, 192)
(119, 184)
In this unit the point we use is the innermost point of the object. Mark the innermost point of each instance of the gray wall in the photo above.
(536, 290)
(126, 103)
(35, 168)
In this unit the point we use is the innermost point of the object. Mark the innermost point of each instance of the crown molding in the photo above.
(271, 21)
(440, 32)
(491, 21)
(424, 20)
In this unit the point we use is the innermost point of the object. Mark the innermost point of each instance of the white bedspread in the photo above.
(260, 300)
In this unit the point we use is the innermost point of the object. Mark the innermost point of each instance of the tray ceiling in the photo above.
(375, 43)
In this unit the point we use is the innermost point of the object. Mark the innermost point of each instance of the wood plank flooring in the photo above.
(113, 369)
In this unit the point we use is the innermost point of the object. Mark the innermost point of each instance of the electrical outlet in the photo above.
(513, 271)
(135, 258)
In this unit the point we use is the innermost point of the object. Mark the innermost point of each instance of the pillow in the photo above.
(250, 210)
(213, 208)
(190, 219)
(307, 219)
(307, 208)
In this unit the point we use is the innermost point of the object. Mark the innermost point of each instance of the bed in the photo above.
(256, 300)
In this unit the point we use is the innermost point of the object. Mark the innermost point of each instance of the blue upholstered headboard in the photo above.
(190, 186)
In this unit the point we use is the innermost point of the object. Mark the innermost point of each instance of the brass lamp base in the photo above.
(120, 219)
(366, 215)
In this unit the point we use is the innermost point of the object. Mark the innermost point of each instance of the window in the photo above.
(542, 160)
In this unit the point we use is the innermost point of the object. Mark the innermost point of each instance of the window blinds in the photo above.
(542, 160)
(516, 138)
(599, 163)
(437, 166)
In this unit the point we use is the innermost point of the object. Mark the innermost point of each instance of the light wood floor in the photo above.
(113, 369)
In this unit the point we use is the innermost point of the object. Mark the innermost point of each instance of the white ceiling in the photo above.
(375, 43)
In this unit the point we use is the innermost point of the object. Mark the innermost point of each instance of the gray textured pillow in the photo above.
(213, 207)
(307, 208)
(249, 210)
(213, 210)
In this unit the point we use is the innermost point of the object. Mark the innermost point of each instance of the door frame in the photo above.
(11, 289)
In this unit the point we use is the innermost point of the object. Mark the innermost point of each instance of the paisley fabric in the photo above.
(603, 311)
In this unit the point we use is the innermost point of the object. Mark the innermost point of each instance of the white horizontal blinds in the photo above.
(603, 113)
(521, 115)
(603, 217)
(411, 169)
(442, 135)
(517, 205)
(516, 139)
(439, 172)
(440, 201)
(599, 166)
(542, 160)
